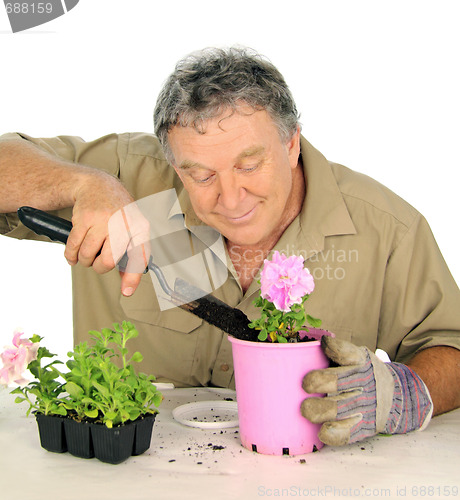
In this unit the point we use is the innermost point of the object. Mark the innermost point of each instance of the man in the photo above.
(229, 127)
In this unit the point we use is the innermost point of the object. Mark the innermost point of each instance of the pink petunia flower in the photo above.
(16, 358)
(285, 281)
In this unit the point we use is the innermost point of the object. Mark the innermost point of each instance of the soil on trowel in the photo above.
(234, 321)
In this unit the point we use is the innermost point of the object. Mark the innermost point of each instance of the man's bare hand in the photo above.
(96, 201)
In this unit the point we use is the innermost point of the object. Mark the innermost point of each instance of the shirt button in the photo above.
(224, 367)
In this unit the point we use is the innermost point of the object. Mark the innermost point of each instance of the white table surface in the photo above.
(181, 463)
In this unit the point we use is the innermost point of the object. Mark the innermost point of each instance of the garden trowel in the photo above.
(184, 295)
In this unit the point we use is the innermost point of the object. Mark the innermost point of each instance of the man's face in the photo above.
(238, 174)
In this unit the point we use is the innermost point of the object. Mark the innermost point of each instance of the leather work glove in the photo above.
(365, 396)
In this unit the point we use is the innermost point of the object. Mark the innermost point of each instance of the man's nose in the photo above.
(231, 192)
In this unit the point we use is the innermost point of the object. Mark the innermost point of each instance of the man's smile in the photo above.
(241, 218)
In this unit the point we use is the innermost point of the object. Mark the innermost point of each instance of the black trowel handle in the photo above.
(54, 227)
(45, 224)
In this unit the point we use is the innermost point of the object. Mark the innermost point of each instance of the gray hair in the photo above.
(206, 83)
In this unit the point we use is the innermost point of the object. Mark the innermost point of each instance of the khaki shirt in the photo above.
(381, 280)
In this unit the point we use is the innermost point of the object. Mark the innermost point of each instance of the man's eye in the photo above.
(249, 168)
(202, 179)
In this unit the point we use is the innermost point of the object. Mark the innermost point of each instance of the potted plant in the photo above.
(269, 372)
(100, 391)
(102, 406)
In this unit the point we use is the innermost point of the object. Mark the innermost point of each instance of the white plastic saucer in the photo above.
(208, 414)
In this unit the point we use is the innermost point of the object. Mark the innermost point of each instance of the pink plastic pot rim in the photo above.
(318, 332)
(272, 345)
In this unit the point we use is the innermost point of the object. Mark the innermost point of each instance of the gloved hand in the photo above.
(365, 396)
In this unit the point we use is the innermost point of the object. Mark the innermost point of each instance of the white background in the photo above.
(377, 83)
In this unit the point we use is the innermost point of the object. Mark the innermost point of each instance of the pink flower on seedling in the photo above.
(16, 358)
(284, 281)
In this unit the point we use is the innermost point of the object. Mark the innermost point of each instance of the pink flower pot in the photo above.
(268, 379)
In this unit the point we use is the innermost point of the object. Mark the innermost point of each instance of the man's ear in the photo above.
(293, 148)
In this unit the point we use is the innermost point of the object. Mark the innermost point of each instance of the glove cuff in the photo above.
(412, 405)
(384, 382)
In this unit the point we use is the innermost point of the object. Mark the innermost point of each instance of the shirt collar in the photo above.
(324, 212)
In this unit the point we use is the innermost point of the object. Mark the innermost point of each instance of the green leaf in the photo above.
(116, 338)
(44, 353)
(91, 413)
(157, 399)
(107, 333)
(134, 413)
(35, 338)
(111, 415)
(74, 390)
(132, 381)
(59, 410)
(76, 371)
(132, 333)
(103, 390)
(299, 316)
(263, 335)
(314, 322)
(137, 357)
(95, 334)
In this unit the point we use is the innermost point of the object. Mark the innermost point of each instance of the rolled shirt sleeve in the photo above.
(420, 301)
